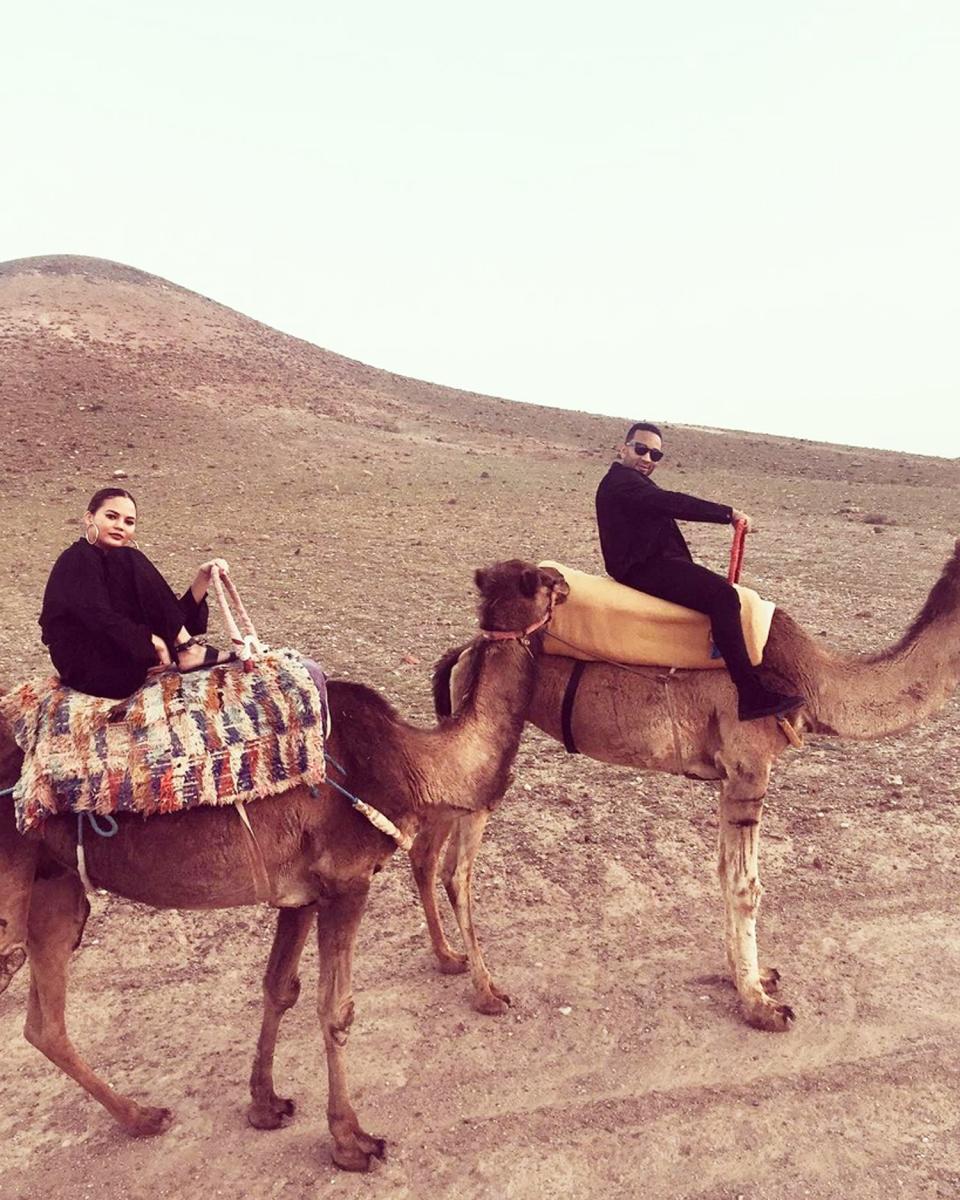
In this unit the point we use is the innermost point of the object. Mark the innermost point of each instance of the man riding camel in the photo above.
(643, 547)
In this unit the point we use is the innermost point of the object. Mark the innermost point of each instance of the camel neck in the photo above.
(502, 685)
(480, 742)
(872, 695)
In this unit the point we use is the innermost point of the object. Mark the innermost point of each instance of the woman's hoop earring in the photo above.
(92, 541)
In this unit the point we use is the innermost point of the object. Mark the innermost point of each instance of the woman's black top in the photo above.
(637, 520)
(100, 608)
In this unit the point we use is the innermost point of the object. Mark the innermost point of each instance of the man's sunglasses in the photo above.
(640, 450)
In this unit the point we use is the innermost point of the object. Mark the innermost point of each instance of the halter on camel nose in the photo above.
(521, 635)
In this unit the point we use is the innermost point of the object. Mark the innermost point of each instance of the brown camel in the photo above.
(320, 856)
(686, 724)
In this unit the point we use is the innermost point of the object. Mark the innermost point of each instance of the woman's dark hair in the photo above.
(105, 494)
(642, 425)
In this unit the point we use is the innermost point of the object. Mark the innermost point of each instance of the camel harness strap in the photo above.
(262, 882)
(519, 635)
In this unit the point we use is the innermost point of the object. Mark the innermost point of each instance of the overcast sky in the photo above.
(743, 215)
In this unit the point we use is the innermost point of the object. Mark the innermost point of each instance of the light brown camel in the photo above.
(319, 853)
(686, 724)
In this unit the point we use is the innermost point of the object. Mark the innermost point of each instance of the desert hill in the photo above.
(84, 335)
(354, 505)
(321, 469)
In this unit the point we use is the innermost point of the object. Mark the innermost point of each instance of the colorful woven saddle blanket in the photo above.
(602, 620)
(208, 737)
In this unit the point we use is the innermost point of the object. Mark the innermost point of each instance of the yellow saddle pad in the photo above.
(605, 620)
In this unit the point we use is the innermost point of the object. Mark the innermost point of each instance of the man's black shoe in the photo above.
(765, 703)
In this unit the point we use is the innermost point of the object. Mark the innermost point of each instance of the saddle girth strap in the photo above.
(262, 883)
(566, 708)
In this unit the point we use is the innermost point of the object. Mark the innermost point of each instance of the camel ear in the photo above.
(553, 579)
(480, 578)
(530, 581)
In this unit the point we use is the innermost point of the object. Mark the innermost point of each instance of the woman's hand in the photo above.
(199, 586)
(163, 654)
(207, 568)
(742, 516)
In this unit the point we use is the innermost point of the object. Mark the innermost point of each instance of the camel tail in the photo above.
(442, 695)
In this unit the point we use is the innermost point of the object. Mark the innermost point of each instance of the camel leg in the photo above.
(458, 880)
(769, 976)
(337, 922)
(18, 861)
(58, 913)
(281, 988)
(424, 860)
(738, 868)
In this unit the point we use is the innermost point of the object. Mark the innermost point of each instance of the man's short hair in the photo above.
(642, 425)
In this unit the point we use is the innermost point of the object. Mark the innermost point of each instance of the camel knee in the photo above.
(746, 897)
(282, 995)
(460, 879)
(746, 787)
(337, 1023)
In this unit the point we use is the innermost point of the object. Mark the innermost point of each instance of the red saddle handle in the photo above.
(736, 551)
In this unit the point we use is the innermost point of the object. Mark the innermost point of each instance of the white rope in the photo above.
(81, 857)
(243, 636)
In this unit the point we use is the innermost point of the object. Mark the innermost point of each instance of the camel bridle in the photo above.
(520, 635)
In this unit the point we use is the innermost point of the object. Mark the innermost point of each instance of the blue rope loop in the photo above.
(110, 824)
(315, 791)
(8, 791)
(333, 762)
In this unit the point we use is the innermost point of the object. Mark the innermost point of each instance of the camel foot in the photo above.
(148, 1122)
(453, 964)
(492, 1002)
(769, 978)
(10, 964)
(358, 1154)
(272, 1113)
(772, 1018)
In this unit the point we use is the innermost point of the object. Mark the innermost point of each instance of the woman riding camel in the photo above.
(644, 548)
(109, 618)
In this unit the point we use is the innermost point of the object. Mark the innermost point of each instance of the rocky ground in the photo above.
(354, 506)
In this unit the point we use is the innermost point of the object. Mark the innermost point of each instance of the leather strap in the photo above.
(566, 708)
(258, 868)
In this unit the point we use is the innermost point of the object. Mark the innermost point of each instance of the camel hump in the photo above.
(603, 620)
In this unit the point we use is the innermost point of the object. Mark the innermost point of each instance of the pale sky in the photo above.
(743, 215)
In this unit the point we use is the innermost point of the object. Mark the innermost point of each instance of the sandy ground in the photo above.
(623, 1068)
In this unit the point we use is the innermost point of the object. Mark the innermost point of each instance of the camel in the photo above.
(319, 854)
(686, 723)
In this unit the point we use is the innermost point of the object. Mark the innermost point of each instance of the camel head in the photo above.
(517, 596)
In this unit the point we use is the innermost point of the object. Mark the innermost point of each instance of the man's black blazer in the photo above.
(638, 520)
